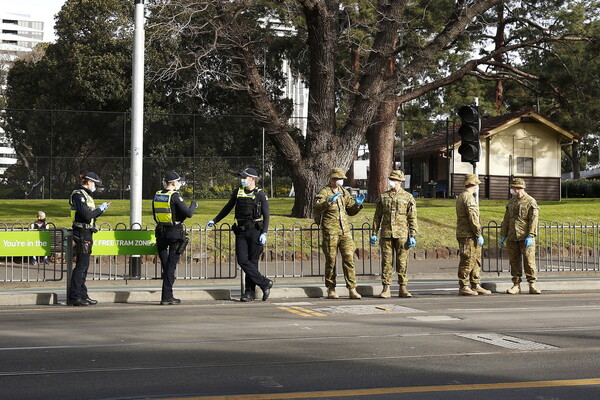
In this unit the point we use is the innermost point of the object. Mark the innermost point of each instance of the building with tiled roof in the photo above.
(520, 144)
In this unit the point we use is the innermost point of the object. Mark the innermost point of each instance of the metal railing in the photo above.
(560, 246)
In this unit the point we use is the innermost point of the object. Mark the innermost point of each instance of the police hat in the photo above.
(248, 172)
(172, 176)
(337, 173)
(471, 179)
(397, 175)
(518, 183)
(92, 176)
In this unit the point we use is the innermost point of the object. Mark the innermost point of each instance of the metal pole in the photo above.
(476, 104)
(137, 130)
(402, 145)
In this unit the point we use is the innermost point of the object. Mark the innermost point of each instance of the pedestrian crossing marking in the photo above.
(303, 312)
(366, 309)
(508, 342)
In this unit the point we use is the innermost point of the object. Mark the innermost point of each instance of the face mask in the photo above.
(93, 188)
(512, 192)
(339, 182)
(245, 182)
(392, 183)
(177, 185)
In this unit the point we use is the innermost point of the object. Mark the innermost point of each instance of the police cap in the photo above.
(397, 175)
(92, 176)
(172, 176)
(337, 173)
(248, 172)
(518, 183)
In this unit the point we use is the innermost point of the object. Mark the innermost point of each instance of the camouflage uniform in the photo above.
(468, 229)
(333, 218)
(396, 215)
(521, 221)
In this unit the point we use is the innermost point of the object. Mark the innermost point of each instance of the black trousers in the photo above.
(167, 242)
(83, 249)
(248, 251)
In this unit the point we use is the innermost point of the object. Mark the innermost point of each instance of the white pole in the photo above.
(137, 117)
(137, 131)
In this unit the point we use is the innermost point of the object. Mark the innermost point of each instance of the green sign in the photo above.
(25, 243)
(113, 243)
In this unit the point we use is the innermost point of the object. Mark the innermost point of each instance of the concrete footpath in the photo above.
(424, 277)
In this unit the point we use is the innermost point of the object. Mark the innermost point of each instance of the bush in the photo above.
(580, 188)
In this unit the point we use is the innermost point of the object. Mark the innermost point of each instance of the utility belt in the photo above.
(244, 225)
(163, 228)
(85, 227)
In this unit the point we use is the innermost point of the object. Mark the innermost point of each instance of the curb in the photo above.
(546, 285)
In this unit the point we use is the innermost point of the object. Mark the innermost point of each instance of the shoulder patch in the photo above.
(83, 200)
(180, 198)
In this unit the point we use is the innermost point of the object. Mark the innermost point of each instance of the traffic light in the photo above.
(469, 132)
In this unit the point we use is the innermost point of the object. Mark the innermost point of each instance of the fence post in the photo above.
(68, 256)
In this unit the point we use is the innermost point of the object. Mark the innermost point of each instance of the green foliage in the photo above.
(580, 188)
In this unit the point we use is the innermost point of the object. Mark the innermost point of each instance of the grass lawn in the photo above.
(436, 217)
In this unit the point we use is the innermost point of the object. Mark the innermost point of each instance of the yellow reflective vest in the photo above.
(162, 207)
(89, 201)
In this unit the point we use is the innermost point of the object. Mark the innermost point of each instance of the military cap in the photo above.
(471, 179)
(397, 175)
(518, 183)
(337, 173)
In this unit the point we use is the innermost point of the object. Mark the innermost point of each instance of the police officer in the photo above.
(470, 239)
(332, 207)
(518, 232)
(250, 229)
(396, 216)
(84, 214)
(169, 212)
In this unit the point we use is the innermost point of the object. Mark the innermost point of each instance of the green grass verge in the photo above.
(436, 217)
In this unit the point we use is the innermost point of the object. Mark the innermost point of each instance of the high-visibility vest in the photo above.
(89, 201)
(247, 207)
(162, 207)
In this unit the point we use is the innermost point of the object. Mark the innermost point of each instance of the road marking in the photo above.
(369, 309)
(400, 390)
(434, 318)
(508, 342)
(304, 312)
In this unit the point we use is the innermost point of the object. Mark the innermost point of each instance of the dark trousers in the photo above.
(248, 251)
(167, 243)
(83, 249)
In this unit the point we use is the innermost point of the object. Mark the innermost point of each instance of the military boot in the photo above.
(331, 294)
(386, 292)
(466, 291)
(477, 287)
(533, 289)
(515, 289)
(403, 292)
(354, 294)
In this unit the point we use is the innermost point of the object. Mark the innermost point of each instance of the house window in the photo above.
(524, 166)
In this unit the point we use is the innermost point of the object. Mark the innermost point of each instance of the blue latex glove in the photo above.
(373, 239)
(210, 224)
(502, 240)
(480, 241)
(103, 207)
(359, 199)
(528, 241)
(412, 242)
(334, 197)
(262, 239)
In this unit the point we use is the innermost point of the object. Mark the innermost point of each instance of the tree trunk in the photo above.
(575, 162)
(381, 138)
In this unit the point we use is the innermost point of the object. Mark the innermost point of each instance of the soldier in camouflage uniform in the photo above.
(332, 207)
(396, 215)
(518, 232)
(470, 240)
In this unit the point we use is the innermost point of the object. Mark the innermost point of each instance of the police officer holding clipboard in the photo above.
(84, 214)
(169, 212)
(250, 229)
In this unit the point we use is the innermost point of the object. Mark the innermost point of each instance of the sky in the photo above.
(40, 10)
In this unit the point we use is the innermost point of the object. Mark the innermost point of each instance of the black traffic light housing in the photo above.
(469, 132)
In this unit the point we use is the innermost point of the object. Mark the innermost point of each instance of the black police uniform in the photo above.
(83, 229)
(169, 236)
(250, 206)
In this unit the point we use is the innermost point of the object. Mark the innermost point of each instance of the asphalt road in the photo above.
(436, 345)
